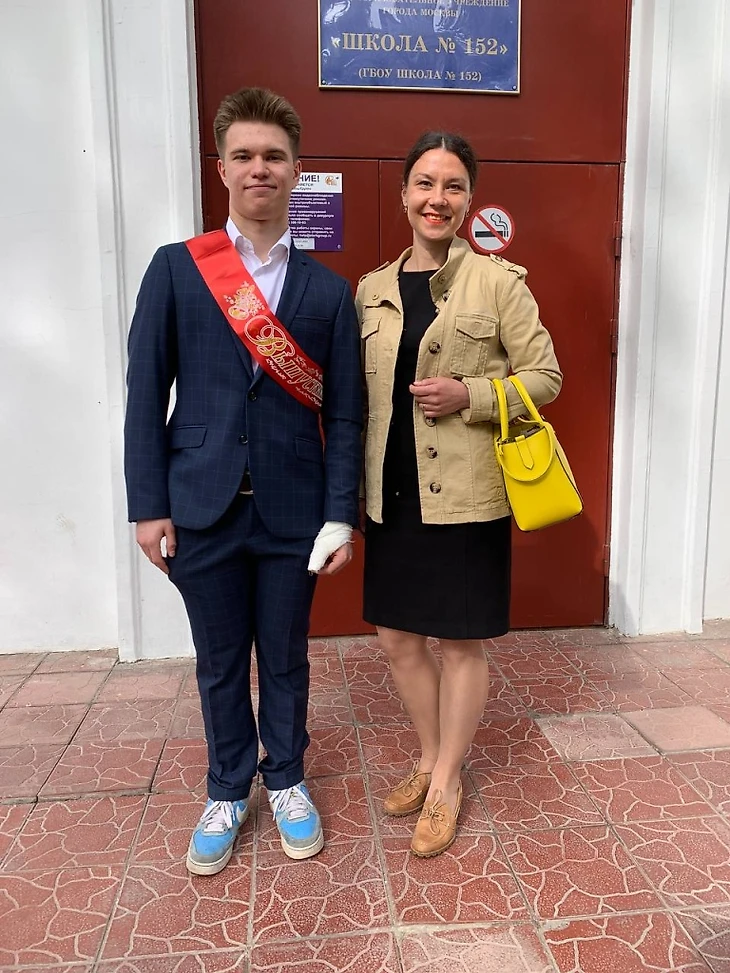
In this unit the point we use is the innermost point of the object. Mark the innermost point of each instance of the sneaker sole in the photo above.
(300, 853)
(212, 868)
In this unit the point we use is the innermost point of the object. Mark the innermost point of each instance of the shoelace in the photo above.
(409, 786)
(218, 818)
(435, 813)
(291, 802)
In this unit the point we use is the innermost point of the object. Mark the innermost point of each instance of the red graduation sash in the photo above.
(247, 312)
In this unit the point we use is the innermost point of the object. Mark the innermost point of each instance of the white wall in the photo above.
(672, 284)
(57, 562)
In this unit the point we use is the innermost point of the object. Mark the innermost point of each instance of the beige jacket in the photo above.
(486, 325)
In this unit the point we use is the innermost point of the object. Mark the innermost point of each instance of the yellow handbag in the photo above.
(540, 484)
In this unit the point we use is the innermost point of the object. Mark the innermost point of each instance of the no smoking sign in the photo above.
(491, 229)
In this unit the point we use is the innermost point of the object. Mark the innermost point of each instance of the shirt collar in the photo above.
(244, 245)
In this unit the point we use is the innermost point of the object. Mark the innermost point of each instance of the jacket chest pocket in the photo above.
(370, 328)
(471, 343)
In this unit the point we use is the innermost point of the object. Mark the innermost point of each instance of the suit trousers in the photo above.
(242, 585)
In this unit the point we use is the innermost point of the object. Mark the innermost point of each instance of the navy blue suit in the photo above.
(241, 561)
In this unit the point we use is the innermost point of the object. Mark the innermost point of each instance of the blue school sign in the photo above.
(442, 45)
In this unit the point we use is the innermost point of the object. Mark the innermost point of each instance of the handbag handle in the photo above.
(503, 407)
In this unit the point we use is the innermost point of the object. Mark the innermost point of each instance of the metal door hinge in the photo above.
(606, 559)
(617, 239)
(614, 336)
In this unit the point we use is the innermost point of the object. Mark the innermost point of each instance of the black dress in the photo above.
(450, 581)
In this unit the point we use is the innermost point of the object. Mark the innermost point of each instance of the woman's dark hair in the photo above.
(443, 140)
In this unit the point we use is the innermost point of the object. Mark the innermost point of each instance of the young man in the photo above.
(251, 488)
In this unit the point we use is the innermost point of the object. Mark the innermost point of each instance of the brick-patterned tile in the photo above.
(640, 789)
(678, 655)
(52, 917)
(49, 689)
(594, 736)
(687, 860)
(559, 694)
(648, 942)
(606, 661)
(25, 769)
(502, 743)
(342, 803)
(37, 725)
(75, 834)
(22, 663)
(709, 773)
(389, 749)
(517, 663)
(147, 719)
(183, 767)
(164, 910)
(338, 954)
(12, 817)
(513, 948)
(101, 660)
(577, 872)
(535, 796)
(9, 685)
(339, 890)
(325, 674)
(649, 689)
(90, 768)
(143, 680)
(187, 723)
(503, 702)
(224, 961)
(681, 728)
(709, 930)
(469, 883)
(332, 750)
(168, 823)
(361, 646)
(328, 707)
(707, 686)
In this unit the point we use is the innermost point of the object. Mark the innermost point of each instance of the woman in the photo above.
(437, 326)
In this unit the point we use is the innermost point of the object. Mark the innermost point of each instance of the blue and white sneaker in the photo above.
(298, 821)
(211, 845)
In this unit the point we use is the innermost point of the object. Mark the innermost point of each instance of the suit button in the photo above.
(434, 347)
(435, 488)
(433, 453)
(252, 396)
(243, 440)
(430, 421)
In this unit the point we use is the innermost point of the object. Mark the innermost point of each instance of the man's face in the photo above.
(259, 171)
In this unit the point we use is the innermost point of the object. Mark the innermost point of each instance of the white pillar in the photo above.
(147, 190)
(673, 275)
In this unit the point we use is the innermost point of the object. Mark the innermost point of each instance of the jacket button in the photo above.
(252, 396)
(435, 488)
(434, 347)
(433, 453)
(430, 421)
(243, 440)
(441, 279)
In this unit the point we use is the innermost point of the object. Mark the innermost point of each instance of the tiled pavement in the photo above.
(594, 837)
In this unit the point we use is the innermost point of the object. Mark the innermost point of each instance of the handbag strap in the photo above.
(504, 408)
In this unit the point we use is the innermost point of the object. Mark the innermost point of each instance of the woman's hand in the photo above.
(440, 396)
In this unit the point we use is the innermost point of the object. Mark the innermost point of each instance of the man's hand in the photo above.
(150, 534)
(440, 396)
(337, 561)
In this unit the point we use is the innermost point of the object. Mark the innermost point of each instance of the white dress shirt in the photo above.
(270, 273)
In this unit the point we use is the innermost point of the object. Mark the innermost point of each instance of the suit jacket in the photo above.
(226, 419)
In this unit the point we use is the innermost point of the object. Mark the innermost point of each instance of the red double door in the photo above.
(552, 158)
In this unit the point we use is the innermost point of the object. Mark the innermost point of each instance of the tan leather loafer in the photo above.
(409, 795)
(436, 828)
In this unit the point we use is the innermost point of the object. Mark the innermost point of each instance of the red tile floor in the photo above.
(594, 836)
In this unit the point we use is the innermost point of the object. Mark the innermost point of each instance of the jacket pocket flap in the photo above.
(309, 450)
(187, 437)
(476, 325)
(370, 325)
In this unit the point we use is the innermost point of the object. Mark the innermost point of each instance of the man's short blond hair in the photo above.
(256, 105)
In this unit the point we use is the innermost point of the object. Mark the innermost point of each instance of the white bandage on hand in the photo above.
(328, 540)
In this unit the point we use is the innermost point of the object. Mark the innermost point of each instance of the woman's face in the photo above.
(437, 196)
